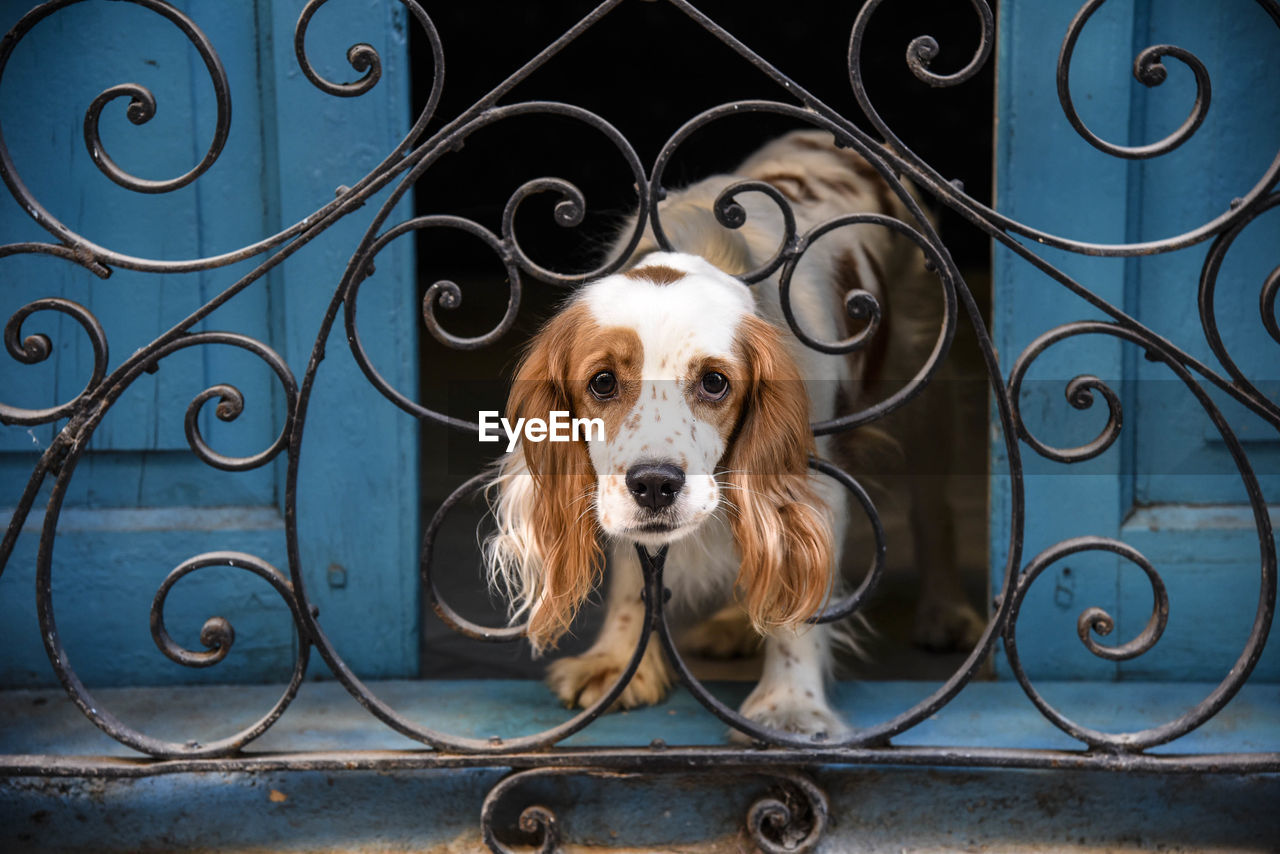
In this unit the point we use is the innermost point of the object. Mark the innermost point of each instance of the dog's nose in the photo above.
(655, 486)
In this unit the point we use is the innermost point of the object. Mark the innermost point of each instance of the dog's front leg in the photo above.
(791, 695)
(581, 680)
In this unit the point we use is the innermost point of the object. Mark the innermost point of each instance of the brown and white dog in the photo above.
(706, 399)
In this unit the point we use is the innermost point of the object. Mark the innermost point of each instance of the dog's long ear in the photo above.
(782, 527)
(546, 554)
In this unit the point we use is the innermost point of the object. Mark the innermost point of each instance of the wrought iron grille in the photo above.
(770, 820)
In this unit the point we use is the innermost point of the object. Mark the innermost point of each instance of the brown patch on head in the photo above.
(659, 274)
(842, 186)
(884, 196)
(721, 414)
(791, 185)
(877, 348)
(553, 375)
(581, 349)
(846, 275)
(812, 144)
(876, 269)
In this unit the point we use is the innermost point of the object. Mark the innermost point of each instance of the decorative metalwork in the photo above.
(776, 825)
(792, 821)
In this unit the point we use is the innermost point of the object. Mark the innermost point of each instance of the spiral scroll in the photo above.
(447, 295)
(791, 818)
(216, 634)
(793, 822)
(859, 305)
(1079, 393)
(1096, 620)
(1147, 70)
(143, 106)
(36, 348)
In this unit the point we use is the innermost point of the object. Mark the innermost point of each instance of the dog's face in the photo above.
(703, 410)
(668, 376)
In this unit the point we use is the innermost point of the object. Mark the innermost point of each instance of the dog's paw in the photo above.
(581, 680)
(725, 634)
(803, 714)
(947, 626)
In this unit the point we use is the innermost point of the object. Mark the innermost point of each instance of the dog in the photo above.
(707, 398)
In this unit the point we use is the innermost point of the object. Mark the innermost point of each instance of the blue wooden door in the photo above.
(141, 501)
(1167, 485)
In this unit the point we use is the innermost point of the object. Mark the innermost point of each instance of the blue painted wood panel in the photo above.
(1138, 490)
(141, 502)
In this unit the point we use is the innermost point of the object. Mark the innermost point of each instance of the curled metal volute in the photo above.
(1094, 619)
(95, 257)
(938, 259)
(142, 108)
(445, 294)
(33, 349)
(216, 634)
(922, 50)
(793, 823)
(1001, 227)
(442, 294)
(1148, 70)
(230, 405)
(542, 821)
(729, 213)
(30, 350)
(920, 53)
(362, 57)
(571, 209)
(1249, 655)
(859, 304)
(852, 602)
(535, 819)
(1079, 394)
(568, 213)
(1091, 620)
(231, 400)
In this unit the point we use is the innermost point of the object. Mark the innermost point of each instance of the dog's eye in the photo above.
(604, 385)
(714, 386)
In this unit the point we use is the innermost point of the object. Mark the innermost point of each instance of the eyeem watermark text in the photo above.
(559, 427)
